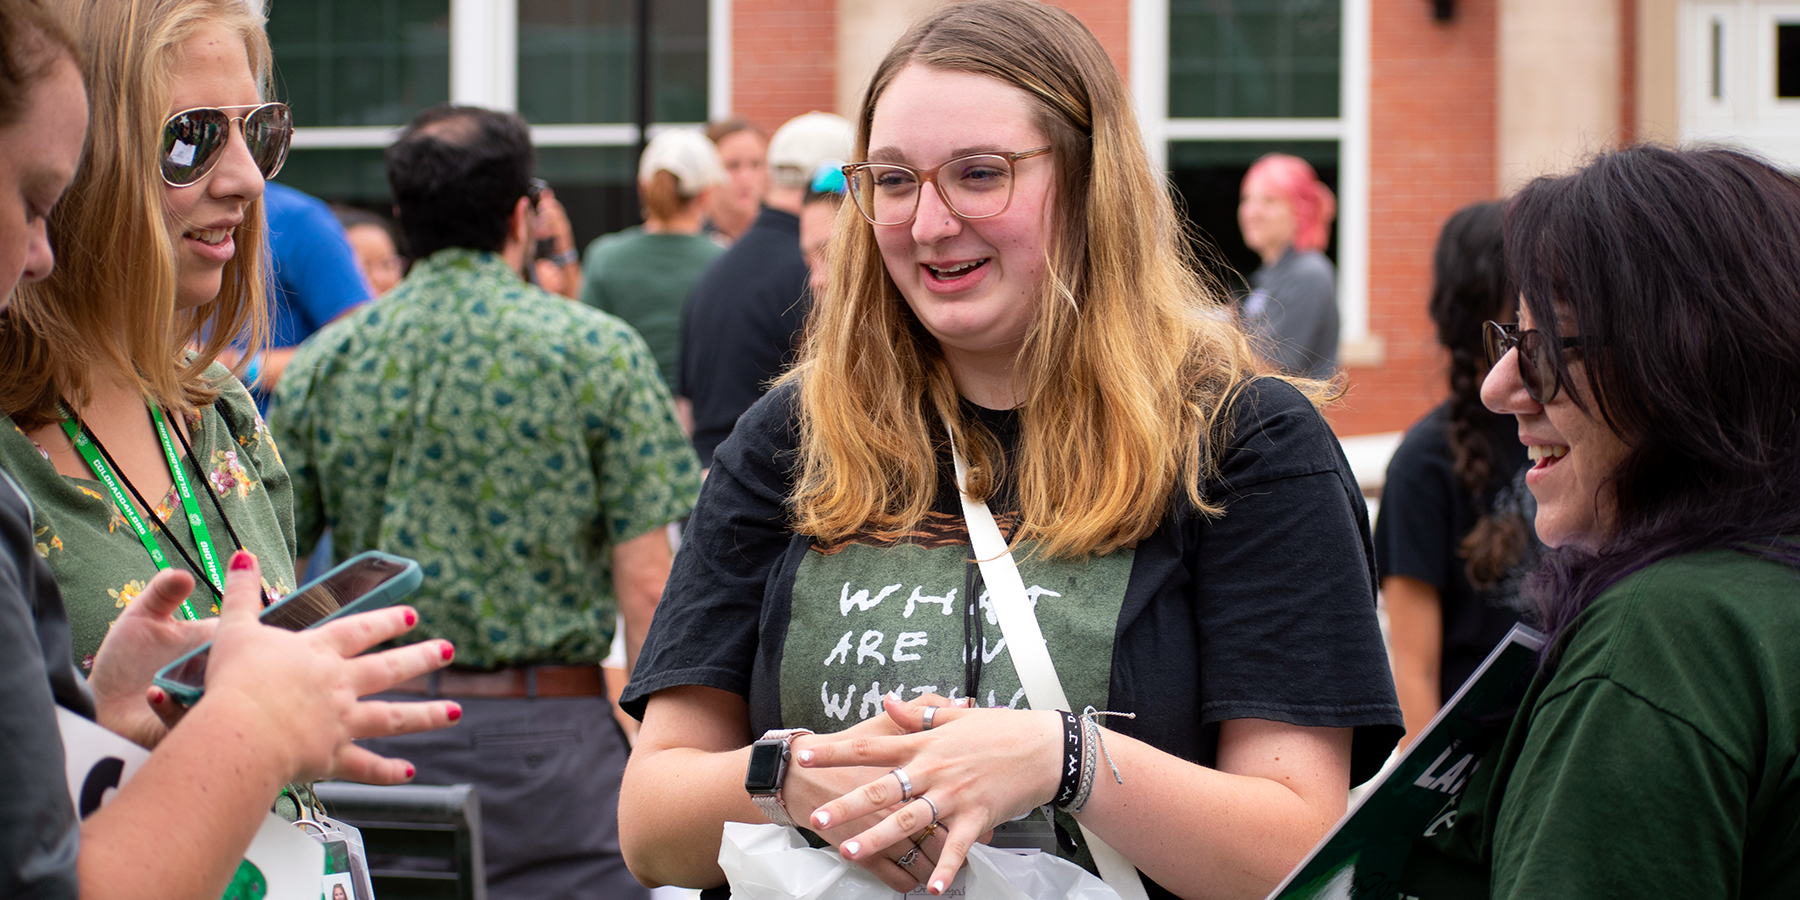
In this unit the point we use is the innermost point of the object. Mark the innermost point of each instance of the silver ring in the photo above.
(905, 785)
(934, 812)
(905, 862)
(930, 711)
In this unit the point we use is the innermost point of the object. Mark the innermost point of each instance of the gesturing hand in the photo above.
(146, 636)
(303, 687)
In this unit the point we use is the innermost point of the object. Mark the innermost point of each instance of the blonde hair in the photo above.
(111, 301)
(1128, 366)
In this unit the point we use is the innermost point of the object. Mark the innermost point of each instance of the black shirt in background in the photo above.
(741, 326)
(1425, 514)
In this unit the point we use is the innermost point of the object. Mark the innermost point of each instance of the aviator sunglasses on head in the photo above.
(193, 140)
(1536, 366)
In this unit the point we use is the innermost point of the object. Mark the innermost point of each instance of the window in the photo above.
(360, 62)
(1253, 58)
(354, 70)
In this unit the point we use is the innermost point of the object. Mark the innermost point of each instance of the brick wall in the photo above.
(1432, 148)
(783, 59)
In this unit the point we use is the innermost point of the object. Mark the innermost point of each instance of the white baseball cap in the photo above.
(686, 154)
(805, 141)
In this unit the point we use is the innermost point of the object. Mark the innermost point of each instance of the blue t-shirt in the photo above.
(316, 275)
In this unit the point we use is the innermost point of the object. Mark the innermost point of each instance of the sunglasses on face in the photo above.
(193, 140)
(1537, 368)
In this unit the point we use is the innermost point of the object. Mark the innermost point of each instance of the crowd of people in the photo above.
(725, 471)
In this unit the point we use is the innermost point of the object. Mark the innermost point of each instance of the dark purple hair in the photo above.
(1681, 269)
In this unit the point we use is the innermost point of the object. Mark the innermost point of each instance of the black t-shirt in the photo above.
(1425, 514)
(1266, 612)
(741, 325)
(39, 832)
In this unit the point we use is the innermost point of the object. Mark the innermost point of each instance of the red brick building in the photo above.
(1409, 108)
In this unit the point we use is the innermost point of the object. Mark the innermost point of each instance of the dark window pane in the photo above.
(1254, 58)
(593, 183)
(1787, 60)
(1207, 176)
(346, 176)
(578, 60)
(360, 62)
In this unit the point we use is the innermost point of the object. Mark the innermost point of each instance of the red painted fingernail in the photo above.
(412, 618)
(455, 712)
(243, 559)
(157, 696)
(449, 650)
(409, 773)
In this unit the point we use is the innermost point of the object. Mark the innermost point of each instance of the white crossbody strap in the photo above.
(1025, 645)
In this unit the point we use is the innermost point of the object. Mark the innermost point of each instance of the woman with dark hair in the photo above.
(1454, 534)
(1654, 373)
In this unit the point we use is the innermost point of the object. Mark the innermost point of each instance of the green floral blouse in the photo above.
(99, 563)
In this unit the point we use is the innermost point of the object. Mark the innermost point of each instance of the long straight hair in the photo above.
(1680, 272)
(110, 303)
(1127, 365)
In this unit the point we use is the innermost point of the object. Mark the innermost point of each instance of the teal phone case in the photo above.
(186, 684)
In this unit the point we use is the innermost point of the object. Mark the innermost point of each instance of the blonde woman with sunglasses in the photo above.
(140, 451)
(1009, 286)
(283, 705)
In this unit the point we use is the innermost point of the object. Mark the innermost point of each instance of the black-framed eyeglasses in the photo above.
(977, 186)
(193, 140)
(1537, 368)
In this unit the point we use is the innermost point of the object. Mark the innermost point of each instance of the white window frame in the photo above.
(1149, 31)
(484, 71)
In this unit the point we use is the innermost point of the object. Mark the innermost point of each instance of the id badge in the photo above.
(346, 872)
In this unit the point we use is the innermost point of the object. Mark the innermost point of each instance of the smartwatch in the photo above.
(768, 772)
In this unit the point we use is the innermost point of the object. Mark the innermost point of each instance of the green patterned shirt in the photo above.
(503, 437)
(100, 564)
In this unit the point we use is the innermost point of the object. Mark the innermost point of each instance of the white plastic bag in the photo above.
(770, 862)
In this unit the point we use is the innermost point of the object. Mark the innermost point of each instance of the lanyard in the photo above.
(104, 472)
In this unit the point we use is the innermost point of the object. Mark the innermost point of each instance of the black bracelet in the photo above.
(1071, 767)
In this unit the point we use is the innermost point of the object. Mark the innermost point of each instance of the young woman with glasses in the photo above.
(139, 451)
(1653, 375)
(283, 704)
(1009, 279)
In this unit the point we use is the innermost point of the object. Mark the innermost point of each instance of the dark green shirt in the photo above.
(504, 437)
(1662, 757)
(645, 279)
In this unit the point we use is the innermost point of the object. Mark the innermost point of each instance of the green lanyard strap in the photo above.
(104, 472)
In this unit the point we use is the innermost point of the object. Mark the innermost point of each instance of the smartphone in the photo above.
(366, 581)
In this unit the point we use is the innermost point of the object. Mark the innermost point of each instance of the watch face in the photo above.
(766, 764)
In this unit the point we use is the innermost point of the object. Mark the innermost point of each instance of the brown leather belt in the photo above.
(520, 681)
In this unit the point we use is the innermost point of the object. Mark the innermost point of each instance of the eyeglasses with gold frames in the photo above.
(977, 186)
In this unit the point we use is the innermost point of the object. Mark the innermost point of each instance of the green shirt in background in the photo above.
(100, 564)
(645, 279)
(1660, 759)
(503, 437)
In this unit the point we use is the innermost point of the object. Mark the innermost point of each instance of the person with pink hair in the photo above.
(1285, 213)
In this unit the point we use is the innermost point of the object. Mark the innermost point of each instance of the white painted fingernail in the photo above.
(937, 887)
(852, 847)
(806, 756)
(823, 819)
